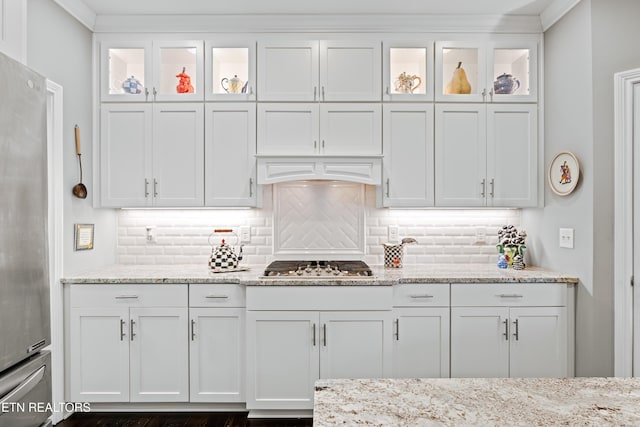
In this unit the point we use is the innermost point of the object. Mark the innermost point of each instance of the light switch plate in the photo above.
(394, 235)
(245, 234)
(566, 238)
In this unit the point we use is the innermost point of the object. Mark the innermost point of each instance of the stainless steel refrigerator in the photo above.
(25, 374)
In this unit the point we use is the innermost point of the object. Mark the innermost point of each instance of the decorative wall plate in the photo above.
(564, 173)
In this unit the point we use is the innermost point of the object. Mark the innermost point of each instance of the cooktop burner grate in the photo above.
(318, 269)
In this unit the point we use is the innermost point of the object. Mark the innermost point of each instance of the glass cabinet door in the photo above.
(230, 71)
(460, 72)
(408, 72)
(125, 71)
(513, 72)
(177, 71)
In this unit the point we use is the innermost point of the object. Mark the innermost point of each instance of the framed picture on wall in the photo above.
(83, 237)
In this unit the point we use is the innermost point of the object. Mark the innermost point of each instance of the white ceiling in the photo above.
(198, 7)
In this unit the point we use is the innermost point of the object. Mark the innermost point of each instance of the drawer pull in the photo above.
(511, 296)
(516, 334)
(217, 296)
(314, 334)
(122, 323)
(193, 330)
(127, 297)
(131, 333)
(418, 296)
(398, 329)
(506, 329)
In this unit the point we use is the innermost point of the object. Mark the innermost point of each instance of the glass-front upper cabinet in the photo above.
(148, 71)
(408, 71)
(230, 71)
(125, 71)
(486, 72)
(177, 70)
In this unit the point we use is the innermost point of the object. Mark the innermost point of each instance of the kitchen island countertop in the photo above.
(477, 401)
(416, 273)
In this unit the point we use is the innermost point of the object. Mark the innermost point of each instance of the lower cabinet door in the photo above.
(99, 354)
(159, 354)
(217, 355)
(421, 342)
(479, 342)
(355, 344)
(538, 342)
(282, 359)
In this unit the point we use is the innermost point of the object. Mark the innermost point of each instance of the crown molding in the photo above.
(79, 10)
(344, 23)
(556, 10)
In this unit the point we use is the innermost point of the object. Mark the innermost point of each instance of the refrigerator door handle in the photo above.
(18, 393)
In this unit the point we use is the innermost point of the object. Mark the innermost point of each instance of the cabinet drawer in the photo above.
(319, 298)
(216, 296)
(421, 295)
(129, 295)
(508, 294)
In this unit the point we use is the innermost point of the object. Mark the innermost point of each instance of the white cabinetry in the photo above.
(155, 65)
(13, 29)
(230, 147)
(217, 343)
(319, 129)
(226, 59)
(296, 335)
(129, 343)
(486, 155)
(311, 70)
(152, 154)
(484, 63)
(408, 176)
(421, 335)
(513, 330)
(407, 70)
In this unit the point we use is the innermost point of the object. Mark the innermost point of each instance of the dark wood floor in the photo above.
(177, 419)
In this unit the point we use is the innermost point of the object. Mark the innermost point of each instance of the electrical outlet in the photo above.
(566, 238)
(481, 236)
(394, 235)
(245, 234)
(151, 235)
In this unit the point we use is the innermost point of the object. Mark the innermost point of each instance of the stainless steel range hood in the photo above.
(364, 170)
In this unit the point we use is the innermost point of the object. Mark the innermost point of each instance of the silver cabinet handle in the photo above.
(491, 183)
(315, 145)
(506, 329)
(146, 94)
(388, 91)
(323, 144)
(250, 90)
(313, 327)
(146, 187)
(250, 187)
(155, 187)
(484, 94)
(398, 329)
(126, 296)
(420, 296)
(122, 334)
(491, 94)
(131, 333)
(324, 334)
(214, 296)
(510, 296)
(483, 184)
(315, 91)
(155, 92)
(387, 187)
(323, 93)
(516, 333)
(193, 330)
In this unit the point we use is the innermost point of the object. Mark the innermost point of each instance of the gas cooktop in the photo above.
(317, 269)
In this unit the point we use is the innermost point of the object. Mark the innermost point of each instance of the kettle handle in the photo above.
(518, 84)
(223, 230)
(418, 85)
(222, 84)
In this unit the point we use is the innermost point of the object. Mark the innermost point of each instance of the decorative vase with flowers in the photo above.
(511, 244)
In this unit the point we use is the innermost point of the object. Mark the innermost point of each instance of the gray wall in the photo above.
(60, 48)
(582, 52)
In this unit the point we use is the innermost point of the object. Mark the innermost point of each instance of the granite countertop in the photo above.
(422, 273)
(478, 401)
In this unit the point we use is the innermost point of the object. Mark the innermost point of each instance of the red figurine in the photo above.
(184, 86)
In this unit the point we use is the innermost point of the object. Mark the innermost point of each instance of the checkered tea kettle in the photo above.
(394, 252)
(223, 257)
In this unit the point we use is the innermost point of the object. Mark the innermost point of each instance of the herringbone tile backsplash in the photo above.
(309, 220)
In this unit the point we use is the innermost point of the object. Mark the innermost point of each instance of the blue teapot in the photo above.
(506, 84)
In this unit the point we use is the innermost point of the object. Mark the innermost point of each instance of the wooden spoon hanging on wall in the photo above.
(79, 190)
